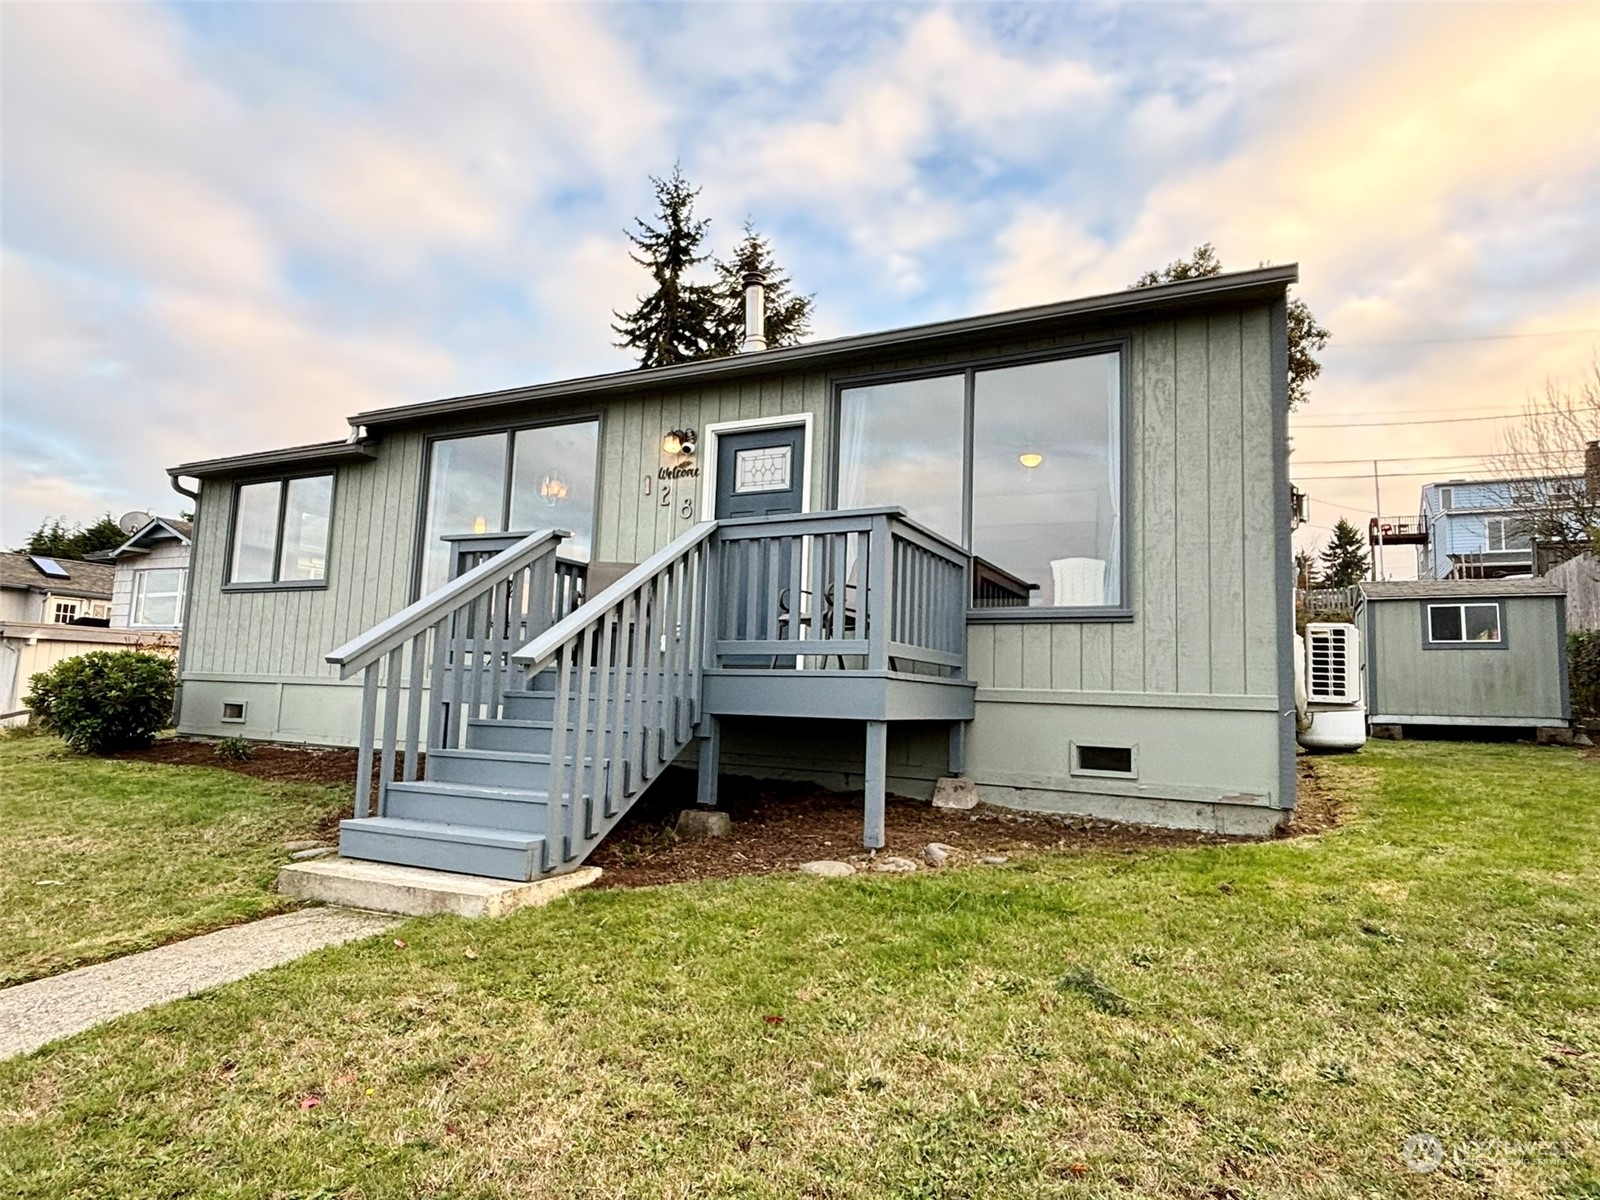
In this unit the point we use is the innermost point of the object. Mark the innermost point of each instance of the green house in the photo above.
(1043, 549)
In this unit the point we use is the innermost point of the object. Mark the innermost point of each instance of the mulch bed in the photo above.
(777, 825)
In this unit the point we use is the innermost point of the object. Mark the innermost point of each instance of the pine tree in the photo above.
(788, 316)
(1306, 337)
(56, 539)
(1344, 558)
(673, 323)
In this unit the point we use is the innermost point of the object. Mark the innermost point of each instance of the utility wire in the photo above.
(1478, 337)
(1426, 421)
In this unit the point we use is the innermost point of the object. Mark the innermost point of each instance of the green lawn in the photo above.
(1261, 1020)
(106, 857)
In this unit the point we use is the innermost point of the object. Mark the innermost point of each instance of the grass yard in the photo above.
(1260, 1020)
(103, 857)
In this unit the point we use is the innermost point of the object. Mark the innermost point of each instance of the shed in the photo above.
(1490, 652)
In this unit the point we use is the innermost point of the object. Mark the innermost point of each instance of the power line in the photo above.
(1435, 421)
(1477, 337)
(1467, 459)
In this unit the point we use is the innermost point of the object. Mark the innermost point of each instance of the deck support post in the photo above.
(710, 759)
(876, 783)
(958, 748)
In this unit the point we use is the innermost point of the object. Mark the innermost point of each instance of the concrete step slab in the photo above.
(416, 892)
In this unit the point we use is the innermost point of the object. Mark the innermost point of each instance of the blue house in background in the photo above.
(1482, 528)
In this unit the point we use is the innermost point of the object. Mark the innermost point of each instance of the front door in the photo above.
(760, 473)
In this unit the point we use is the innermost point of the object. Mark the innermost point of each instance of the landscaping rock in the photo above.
(311, 852)
(703, 823)
(827, 869)
(951, 792)
(995, 860)
(936, 854)
(304, 844)
(894, 865)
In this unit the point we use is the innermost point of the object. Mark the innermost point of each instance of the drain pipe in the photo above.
(188, 597)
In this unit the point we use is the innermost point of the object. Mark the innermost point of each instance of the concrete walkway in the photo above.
(32, 1014)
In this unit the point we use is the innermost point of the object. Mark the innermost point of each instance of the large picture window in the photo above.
(517, 480)
(280, 532)
(1019, 462)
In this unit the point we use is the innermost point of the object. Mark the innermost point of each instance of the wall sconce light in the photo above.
(1030, 459)
(480, 525)
(678, 441)
(552, 489)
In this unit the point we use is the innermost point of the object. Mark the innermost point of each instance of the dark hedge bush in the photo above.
(1583, 672)
(104, 701)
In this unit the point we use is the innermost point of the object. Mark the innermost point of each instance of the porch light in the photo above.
(480, 525)
(678, 441)
(552, 489)
(1030, 459)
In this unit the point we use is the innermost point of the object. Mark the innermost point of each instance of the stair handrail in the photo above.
(459, 636)
(392, 631)
(633, 657)
(541, 649)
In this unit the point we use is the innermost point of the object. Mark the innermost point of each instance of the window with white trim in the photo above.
(64, 612)
(158, 597)
(1465, 624)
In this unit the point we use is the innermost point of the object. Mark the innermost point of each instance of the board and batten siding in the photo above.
(1193, 677)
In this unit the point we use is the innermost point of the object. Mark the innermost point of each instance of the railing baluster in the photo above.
(369, 721)
(391, 722)
(414, 704)
(627, 619)
(605, 715)
(438, 705)
(458, 676)
(841, 587)
(560, 748)
(580, 750)
(880, 595)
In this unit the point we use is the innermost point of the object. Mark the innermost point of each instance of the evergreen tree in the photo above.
(1344, 558)
(1306, 337)
(788, 316)
(55, 539)
(673, 323)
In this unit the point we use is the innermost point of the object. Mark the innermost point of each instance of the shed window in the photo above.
(64, 612)
(1464, 623)
(517, 480)
(1020, 462)
(158, 596)
(280, 532)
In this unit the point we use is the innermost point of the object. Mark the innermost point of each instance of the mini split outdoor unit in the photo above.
(1327, 675)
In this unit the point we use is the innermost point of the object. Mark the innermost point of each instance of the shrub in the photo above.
(104, 701)
(235, 749)
(1583, 672)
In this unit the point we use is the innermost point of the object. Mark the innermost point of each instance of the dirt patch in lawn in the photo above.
(779, 825)
(329, 766)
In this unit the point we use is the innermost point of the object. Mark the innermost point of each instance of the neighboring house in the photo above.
(39, 590)
(152, 576)
(1085, 608)
(1482, 528)
(1465, 652)
(56, 608)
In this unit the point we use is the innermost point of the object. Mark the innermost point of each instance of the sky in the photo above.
(227, 228)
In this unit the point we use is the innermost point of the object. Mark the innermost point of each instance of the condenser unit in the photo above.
(1328, 692)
